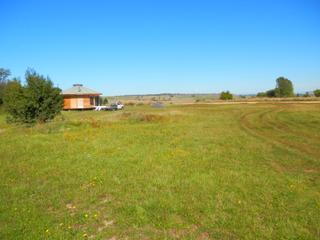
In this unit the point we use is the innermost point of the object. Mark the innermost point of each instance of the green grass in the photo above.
(247, 171)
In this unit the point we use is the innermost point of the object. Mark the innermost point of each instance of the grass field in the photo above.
(247, 171)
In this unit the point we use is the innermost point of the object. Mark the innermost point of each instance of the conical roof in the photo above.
(79, 89)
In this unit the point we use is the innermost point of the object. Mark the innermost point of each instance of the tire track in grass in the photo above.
(277, 124)
(271, 139)
(246, 126)
(292, 125)
(281, 127)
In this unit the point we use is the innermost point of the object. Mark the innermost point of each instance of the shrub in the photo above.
(316, 92)
(262, 94)
(36, 101)
(226, 95)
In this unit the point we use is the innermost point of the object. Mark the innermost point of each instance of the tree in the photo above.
(261, 94)
(226, 95)
(271, 93)
(36, 101)
(284, 88)
(316, 92)
(4, 74)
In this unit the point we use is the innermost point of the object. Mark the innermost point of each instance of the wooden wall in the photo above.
(77, 102)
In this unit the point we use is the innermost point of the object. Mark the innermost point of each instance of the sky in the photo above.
(158, 46)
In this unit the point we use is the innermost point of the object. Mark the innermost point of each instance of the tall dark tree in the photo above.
(284, 88)
(36, 101)
(4, 75)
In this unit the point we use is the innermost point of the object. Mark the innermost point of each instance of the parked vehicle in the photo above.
(112, 107)
(99, 108)
(120, 106)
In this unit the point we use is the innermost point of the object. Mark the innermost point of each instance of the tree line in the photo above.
(284, 88)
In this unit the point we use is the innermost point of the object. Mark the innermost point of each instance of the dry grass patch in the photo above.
(143, 117)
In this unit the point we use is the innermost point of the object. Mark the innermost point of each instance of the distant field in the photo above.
(198, 99)
(246, 171)
(165, 98)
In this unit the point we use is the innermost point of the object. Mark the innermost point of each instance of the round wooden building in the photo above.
(80, 97)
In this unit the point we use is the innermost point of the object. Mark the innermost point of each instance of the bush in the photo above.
(226, 95)
(36, 101)
(262, 94)
(316, 92)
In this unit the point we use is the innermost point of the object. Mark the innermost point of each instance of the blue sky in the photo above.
(137, 47)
